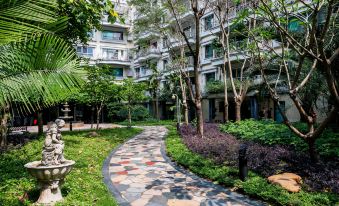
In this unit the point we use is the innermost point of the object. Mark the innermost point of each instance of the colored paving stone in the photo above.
(139, 173)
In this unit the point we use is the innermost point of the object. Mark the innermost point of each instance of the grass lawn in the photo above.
(83, 186)
(255, 185)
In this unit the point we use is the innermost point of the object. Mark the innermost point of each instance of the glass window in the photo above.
(188, 31)
(90, 34)
(118, 72)
(110, 53)
(85, 51)
(210, 77)
(112, 35)
(208, 51)
(209, 22)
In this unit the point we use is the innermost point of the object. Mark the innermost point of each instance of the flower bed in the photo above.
(265, 160)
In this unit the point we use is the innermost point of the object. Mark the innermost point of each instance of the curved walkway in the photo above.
(139, 173)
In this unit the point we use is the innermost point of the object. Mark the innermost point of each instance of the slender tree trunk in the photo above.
(98, 118)
(312, 150)
(225, 90)
(40, 123)
(3, 129)
(185, 106)
(200, 119)
(92, 117)
(129, 118)
(157, 106)
(238, 110)
(226, 110)
(184, 99)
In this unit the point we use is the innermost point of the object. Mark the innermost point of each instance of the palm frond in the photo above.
(38, 73)
(20, 19)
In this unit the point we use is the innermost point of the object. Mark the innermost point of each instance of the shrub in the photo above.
(120, 112)
(264, 159)
(269, 132)
(255, 185)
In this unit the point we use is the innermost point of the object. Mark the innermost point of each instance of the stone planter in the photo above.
(50, 178)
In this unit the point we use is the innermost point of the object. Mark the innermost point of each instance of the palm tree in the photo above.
(37, 68)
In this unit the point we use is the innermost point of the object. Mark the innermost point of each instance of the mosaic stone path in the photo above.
(139, 173)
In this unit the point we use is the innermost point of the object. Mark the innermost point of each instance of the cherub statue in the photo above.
(53, 150)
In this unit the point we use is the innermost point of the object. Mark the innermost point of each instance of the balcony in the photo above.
(126, 24)
(147, 53)
(175, 43)
(147, 35)
(114, 57)
(142, 73)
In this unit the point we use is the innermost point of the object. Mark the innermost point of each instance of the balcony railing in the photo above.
(147, 51)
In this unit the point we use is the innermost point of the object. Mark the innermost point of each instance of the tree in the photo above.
(222, 10)
(177, 9)
(154, 20)
(99, 90)
(32, 61)
(153, 85)
(85, 16)
(132, 93)
(306, 34)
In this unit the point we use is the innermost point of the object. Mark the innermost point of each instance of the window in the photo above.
(164, 42)
(188, 31)
(210, 77)
(209, 22)
(85, 51)
(208, 51)
(165, 64)
(90, 34)
(137, 72)
(112, 35)
(118, 72)
(110, 54)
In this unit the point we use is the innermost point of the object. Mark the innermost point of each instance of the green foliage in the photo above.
(255, 186)
(132, 92)
(215, 87)
(20, 20)
(85, 16)
(269, 132)
(99, 87)
(150, 122)
(38, 72)
(38, 68)
(139, 112)
(83, 186)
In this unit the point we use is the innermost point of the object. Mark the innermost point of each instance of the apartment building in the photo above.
(152, 47)
(112, 46)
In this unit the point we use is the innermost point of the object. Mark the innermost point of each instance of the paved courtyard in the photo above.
(139, 173)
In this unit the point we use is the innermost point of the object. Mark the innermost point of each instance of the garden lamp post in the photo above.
(174, 96)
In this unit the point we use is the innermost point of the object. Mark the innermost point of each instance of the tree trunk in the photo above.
(98, 118)
(312, 150)
(3, 129)
(238, 110)
(157, 107)
(129, 118)
(185, 106)
(226, 112)
(92, 117)
(200, 119)
(40, 123)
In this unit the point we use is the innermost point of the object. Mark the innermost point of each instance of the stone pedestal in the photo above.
(50, 178)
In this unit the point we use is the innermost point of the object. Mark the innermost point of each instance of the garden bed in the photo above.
(83, 186)
(215, 158)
